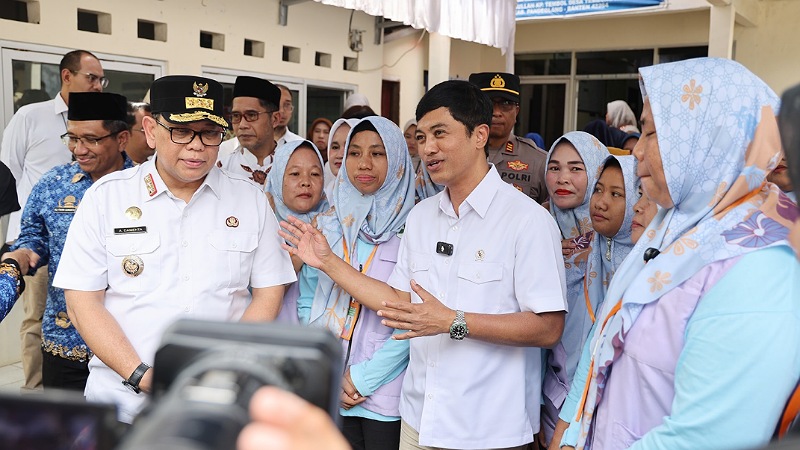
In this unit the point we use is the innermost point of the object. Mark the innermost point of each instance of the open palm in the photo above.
(309, 244)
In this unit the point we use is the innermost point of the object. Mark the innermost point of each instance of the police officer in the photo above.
(175, 237)
(518, 160)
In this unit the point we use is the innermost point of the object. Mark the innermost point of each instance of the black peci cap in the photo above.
(97, 106)
(187, 99)
(259, 88)
(497, 84)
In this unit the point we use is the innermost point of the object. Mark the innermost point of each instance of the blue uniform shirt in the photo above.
(45, 222)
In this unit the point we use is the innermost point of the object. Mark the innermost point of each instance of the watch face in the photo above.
(458, 331)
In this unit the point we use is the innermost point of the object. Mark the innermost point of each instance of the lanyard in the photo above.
(611, 314)
(586, 294)
(355, 307)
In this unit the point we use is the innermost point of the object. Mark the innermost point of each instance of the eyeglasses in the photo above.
(287, 107)
(89, 142)
(210, 138)
(505, 105)
(93, 78)
(138, 129)
(250, 116)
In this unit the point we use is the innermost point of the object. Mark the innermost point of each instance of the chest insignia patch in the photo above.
(68, 204)
(232, 222)
(132, 266)
(133, 213)
(517, 165)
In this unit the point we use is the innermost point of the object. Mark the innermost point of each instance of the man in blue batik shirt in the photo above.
(96, 135)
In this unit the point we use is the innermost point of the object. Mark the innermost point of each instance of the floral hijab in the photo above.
(718, 138)
(602, 257)
(374, 218)
(425, 187)
(274, 185)
(576, 222)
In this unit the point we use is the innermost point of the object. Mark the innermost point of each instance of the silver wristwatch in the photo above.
(459, 330)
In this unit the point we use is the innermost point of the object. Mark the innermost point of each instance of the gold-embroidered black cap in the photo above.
(97, 106)
(258, 88)
(187, 99)
(497, 84)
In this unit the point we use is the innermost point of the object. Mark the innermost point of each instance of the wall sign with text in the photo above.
(527, 9)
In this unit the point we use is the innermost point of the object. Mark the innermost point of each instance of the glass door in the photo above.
(32, 76)
(542, 110)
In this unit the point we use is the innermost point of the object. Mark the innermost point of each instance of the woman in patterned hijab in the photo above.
(373, 194)
(704, 336)
(573, 165)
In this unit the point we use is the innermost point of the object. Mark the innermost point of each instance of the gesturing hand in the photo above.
(428, 318)
(309, 244)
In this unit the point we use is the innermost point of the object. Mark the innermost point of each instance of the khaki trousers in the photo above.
(409, 440)
(34, 300)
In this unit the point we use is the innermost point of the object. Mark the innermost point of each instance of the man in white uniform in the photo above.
(31, 146)
(282, 132)
(254, 114)
(173, 237)
(484, 263)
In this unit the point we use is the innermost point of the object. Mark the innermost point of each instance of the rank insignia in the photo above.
(150, 184)
(517, 165)
(232, 222)
(518, 187)
(509, 147)
(132, 266)
(133, 213)
(68, 204)
(77, 177)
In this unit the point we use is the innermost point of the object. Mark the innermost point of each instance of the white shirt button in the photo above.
(446, 262)
(433, 364)
(186, 278)
(455, 227)
(187, 309)
(233, 245)
(430, 396)
(185, 243)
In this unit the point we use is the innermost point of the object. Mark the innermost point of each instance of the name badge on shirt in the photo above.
(130, 230)
(350, 320)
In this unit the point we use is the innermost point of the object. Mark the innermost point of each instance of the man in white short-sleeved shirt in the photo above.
(175, 237)
(484, 264)
(253, 114)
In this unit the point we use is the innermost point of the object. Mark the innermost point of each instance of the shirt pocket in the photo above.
(134, 264)
(479, 285)
(419, 265)
(232, 257)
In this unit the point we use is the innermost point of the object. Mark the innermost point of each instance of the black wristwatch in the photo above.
(133, 381)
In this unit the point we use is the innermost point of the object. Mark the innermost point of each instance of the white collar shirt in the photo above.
(506, 259)
(289, 137)
(244, 163)
(31, 146)
(198, 259)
